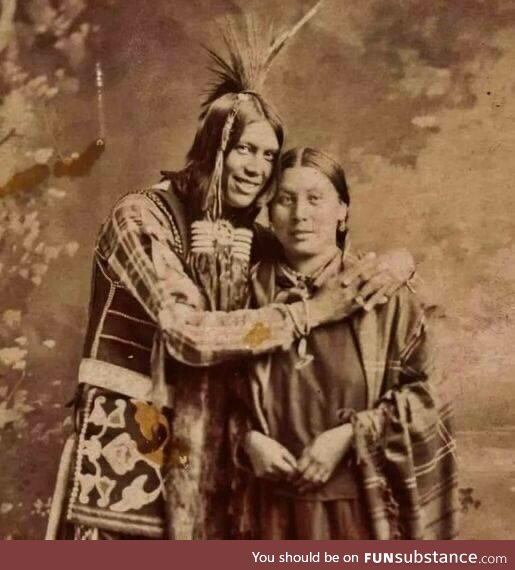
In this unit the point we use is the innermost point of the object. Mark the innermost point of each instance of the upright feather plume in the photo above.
(251, 48)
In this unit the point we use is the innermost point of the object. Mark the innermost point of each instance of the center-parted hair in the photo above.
(319, 160)
(314, 158)
(202, 154)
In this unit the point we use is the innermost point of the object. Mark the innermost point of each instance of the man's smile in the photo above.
(246, 186)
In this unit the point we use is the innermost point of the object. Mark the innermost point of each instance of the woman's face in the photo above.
(306, 212)
(249, 165)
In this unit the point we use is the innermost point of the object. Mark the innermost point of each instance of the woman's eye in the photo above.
(243, 149)
(284, 200)
(270, 156)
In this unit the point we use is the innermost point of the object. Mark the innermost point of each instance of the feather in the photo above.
(251, 48)
(287, 35)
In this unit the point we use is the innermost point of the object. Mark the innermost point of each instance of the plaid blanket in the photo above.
(405, 444)
(409, 470)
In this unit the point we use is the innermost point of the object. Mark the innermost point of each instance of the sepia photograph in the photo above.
(257, 270)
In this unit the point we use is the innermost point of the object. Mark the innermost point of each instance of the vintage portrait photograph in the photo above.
(257, 270)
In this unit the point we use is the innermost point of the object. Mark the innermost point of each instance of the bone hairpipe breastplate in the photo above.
(212, 237)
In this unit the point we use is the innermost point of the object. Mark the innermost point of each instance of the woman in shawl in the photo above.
(350, 440)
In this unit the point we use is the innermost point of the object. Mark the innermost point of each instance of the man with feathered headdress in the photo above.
(170, 273)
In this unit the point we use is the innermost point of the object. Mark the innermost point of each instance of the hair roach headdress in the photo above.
(251, 49)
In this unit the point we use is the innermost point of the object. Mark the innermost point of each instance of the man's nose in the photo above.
(253, 166)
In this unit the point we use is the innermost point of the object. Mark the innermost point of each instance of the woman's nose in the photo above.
(300, 211)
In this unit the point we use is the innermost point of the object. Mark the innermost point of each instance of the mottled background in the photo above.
(416, 98)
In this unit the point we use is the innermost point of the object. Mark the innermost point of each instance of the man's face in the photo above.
(306, 212)
(249, 165)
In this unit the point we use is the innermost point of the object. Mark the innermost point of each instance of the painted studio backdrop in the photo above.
(417, 100)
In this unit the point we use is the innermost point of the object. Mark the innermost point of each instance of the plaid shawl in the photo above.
(409, 471)
(403, 441)
(404, 444)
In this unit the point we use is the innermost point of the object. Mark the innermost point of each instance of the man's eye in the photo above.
(314, 199)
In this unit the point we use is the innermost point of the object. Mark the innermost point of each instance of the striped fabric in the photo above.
(141, 252)
(140, 248)
(409, 467)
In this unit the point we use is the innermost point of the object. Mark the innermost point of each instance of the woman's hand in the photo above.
(269, 459)
(319, 459)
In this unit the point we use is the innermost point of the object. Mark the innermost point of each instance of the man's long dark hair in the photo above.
(201, 157)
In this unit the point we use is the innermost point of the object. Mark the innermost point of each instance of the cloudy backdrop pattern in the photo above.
(417, 100)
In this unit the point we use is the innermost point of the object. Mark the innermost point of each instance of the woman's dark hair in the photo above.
(313, 158)
(201, 157)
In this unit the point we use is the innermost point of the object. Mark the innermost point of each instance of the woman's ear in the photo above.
(342, 216)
